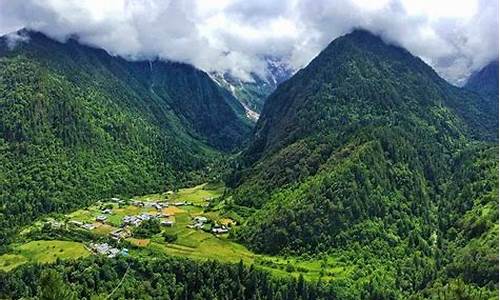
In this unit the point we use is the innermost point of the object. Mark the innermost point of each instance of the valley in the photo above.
(365, 176)
(58, 234)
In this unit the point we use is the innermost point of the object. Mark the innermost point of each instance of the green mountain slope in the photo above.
(369, 155)
(485, 81)
(77, 125)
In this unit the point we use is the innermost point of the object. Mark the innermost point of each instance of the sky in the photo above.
(456, 37)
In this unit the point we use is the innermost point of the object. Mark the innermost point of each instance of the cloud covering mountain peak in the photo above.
(235, 36)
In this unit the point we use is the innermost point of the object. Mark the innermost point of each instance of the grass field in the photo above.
(198, 194)
(11, 261)
(103, 229)
(42, 252)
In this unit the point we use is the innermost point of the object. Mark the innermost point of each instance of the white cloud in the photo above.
(455, 37)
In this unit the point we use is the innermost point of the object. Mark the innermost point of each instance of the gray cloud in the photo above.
(455, 37)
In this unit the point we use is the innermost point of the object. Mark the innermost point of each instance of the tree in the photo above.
(54, 287)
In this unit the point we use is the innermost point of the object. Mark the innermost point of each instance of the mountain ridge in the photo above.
(485, 81)
(281, 105)
(79, 125)
(366, 149)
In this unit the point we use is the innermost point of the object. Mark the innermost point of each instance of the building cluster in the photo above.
(200, 221)
(82, 225)
(106, 249)
(156, 205)
(120, 233)
(138, 219)
(220, 229)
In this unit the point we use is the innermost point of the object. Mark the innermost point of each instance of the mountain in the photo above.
(77, 125)
(485, 81)
(253, 93)
(368, 156)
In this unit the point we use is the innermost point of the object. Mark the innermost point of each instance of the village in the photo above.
(118, 219)
(108, 228)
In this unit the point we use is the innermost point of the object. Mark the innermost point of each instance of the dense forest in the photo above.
(171, 278)
(165, 278)
(78, 125)
(485, 81)
(367, 148)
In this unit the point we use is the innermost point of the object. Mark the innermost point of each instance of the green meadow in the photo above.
(42, 252)
(199, 194)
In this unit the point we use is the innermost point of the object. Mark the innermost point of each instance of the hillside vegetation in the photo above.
(77, 124)
(368, 154)
(485, 82)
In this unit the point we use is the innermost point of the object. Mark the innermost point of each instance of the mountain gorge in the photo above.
(78, 124)
(253, 93)
(368, 153)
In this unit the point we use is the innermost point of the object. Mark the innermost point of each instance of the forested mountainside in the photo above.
(253, 93)
(77, 124)
(368, 154)
(164, 278)
(485, 81)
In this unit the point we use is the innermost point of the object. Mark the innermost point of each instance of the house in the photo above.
(138, 203)
(102, 248)
(107, 211)
(105, 249)
(220, 230)
(157, 206)
(145, 217)
(181, 203)
(88, 226)
(197, 226)
(167, 223)
(127, 219)
(120, 234)
(101, 218)
(113, 252)
(131, 220)
(200, 219)
(116, 234)
(115, 199)
(54, 224)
